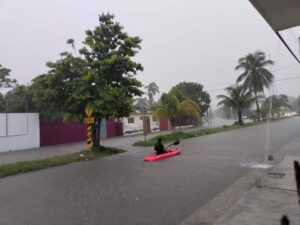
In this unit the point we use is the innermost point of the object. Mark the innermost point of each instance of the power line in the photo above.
(278, 69)
(285, 67)
(290, 78)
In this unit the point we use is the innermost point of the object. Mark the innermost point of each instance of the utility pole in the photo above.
(144, 123)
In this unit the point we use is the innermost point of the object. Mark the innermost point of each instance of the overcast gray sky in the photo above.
(189, 40)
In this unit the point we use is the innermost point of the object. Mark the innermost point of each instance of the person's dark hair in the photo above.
(159, 139)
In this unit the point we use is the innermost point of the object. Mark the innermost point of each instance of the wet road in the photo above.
(123, 189)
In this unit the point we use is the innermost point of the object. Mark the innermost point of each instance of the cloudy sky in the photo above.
(189, 40)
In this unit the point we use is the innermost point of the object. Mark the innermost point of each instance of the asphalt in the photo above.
(123, 189)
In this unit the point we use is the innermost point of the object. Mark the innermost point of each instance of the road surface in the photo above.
(123, 189)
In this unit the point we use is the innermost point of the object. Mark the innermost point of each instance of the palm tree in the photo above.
(142, 105)
(255, 76)
(173, 105)
(152, 90)
(238, 98)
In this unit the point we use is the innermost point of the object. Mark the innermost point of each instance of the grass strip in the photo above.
(27, 166)
(201, 132)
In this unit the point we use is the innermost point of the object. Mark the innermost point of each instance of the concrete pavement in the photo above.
(274, 196)
(258, 197)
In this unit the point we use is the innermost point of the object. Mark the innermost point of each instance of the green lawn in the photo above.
(185, 135)
(27, 166)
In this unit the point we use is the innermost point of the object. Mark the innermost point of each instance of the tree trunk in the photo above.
(240, 118)
(257, 106)
(150, 98)
(172, 121)
(96, 134)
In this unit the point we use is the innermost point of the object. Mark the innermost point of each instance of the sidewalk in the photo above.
(257, 198)
(57, 150)
(274, 196)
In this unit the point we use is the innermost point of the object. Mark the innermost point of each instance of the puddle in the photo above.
(253, 165)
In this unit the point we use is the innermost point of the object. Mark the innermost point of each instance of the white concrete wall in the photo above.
(23, 131)
(138, 123)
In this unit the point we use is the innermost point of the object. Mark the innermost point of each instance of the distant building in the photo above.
(134, 123)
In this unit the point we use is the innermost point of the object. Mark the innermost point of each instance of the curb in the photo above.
(213, 210)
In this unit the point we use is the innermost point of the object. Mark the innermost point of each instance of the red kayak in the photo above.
(154, 157)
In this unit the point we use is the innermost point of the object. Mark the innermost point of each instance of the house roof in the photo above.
(280, 14)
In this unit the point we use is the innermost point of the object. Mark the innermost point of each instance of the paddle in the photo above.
(177, 142)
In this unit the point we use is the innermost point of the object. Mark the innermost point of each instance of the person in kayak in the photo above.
(159, 147)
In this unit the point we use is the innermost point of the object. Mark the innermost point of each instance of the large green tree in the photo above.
(194, 91)
(255, 76)
(152, 90)
(100, 77)
(5, 81)
(20, 99)
(174, 105)
(237, 98)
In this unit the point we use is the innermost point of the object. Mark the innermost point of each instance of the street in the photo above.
(123, 189)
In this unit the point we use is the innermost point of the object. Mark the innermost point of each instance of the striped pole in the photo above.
(89, 121)
(89, 141)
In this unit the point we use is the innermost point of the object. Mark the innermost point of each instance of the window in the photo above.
(130, 120)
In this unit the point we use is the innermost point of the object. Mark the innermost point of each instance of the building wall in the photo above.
(57, 132)
(19, 131)
(163, 124)
(137, 125)
(114, 128)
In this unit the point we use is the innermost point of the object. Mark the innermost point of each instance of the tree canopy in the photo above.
(194, 91)
(174, 105)
(5, 81)
(101, 77)
(237, 98)
(152, 90)
(275, 104)
(142, 105)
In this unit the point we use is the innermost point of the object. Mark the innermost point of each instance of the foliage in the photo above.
(274, 104)
(5, 81)
(142, 105)
(292, 101)
(194, 91)
(19, 99)
(152, 90)
(27, 166)
(63, 86)
(255, 75)
(102, 77)
(174, 105)
(238, 98)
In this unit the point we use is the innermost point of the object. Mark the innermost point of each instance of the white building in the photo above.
(134, 123)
